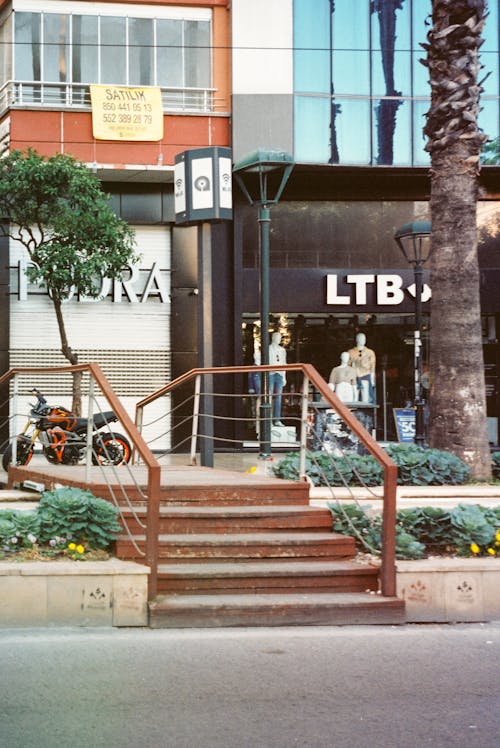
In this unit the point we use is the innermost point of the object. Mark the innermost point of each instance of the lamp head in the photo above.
(413, 239)
(263, 174)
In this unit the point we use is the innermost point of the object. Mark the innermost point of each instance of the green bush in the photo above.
(75, 514)
(495, 465)
(69, 520)
(465, 530)
(416, 467)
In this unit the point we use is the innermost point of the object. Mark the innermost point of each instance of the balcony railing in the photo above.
(77, 96)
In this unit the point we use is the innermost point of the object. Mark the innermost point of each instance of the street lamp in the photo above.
(262, 176)
(413, 241)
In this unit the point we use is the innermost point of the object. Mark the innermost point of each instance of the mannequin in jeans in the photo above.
(363, 360)
(277, 379)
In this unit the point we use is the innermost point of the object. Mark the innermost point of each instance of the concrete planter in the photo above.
(450, 589)
(73, 593)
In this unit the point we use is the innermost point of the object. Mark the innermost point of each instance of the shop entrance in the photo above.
(320, 340)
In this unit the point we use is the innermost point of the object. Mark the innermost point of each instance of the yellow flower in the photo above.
(474, 548)
(492, 552)
(72, 546)
(253, 469)
(497, 536)
(80, 549)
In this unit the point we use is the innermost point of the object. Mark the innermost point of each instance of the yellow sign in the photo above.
(126, 113)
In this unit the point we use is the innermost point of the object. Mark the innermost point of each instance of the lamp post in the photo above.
(413, 241)
(262, 176)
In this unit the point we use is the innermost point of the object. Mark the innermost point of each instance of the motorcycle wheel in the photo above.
(111, 449)
(24, 453)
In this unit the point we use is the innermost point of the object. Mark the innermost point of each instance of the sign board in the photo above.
(203, 185)
(126, 113)
(405, 424)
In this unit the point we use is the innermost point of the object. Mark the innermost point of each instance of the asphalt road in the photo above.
(366, 687)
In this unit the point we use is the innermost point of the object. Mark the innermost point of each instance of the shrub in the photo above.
(75, 514)
(495, 465)
(416, 467)
(465, 530)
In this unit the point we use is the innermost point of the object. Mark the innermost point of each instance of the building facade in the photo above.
(339, 85)
(55, 56)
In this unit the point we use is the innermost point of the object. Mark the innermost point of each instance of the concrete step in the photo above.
(267, 577)
(317, 609)
(235, 519)
(246, 546)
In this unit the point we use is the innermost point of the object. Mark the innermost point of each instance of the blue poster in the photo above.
(405, 424)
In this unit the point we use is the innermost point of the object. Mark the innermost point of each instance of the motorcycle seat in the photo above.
(100, 420)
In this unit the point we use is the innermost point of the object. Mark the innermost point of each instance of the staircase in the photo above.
(255, 554)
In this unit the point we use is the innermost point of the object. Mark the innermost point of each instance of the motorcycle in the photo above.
(63, 437)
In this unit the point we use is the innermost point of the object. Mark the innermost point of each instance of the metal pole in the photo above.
(265, 405)
(419, 405)
(205, 343)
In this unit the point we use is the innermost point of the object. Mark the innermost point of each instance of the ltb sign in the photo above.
(385, 289)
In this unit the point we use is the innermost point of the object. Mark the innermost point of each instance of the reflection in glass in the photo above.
(169, 62)
(312, 44)
(351, 71)
(420, 156)
(141, 51)
(312, 115)
(55, 47)
(197, 52)
(85, 57)
(353, 131)
(113, 49)
(400, 150)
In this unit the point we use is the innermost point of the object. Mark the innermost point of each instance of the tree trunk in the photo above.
(72, 357)
(458, 420)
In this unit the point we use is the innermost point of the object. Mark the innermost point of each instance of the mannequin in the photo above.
(277, 379)
(343, 380)
(363, 360)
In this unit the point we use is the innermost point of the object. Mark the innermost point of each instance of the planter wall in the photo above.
(450, 589)
(73, 593)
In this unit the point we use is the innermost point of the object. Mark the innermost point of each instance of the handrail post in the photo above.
(303, 427)
(196, 415)
(13, 430)
(90, 429)
(153, 528)
(388, 561)
(139, 417)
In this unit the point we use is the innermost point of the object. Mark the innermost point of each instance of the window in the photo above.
(117, 49)
(361, 92)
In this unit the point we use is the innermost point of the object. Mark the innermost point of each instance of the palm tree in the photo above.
(458, 420)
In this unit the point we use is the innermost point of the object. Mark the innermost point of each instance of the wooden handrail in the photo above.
(388, 560)
(138, 443)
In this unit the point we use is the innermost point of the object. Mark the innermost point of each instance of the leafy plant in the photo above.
(464, 530)
(495, 465)
(76, 514)
(417, 467)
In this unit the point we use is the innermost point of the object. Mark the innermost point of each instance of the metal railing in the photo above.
(17, 384)
(208, 415)
(15, 93)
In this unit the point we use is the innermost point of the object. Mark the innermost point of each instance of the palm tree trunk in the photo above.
(71, 356)
(458, 421)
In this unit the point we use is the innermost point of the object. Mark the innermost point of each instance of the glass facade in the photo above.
(360, 90)
(75, 48)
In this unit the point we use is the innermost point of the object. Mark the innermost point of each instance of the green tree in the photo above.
(56, 208)
(458, 420)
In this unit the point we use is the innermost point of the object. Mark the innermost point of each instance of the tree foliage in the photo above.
(56, 208)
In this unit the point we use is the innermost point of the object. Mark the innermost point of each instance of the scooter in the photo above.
(63, 437)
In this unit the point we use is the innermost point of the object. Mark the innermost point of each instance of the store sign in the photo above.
(126, 113)
(136, 285)
(358, 288)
